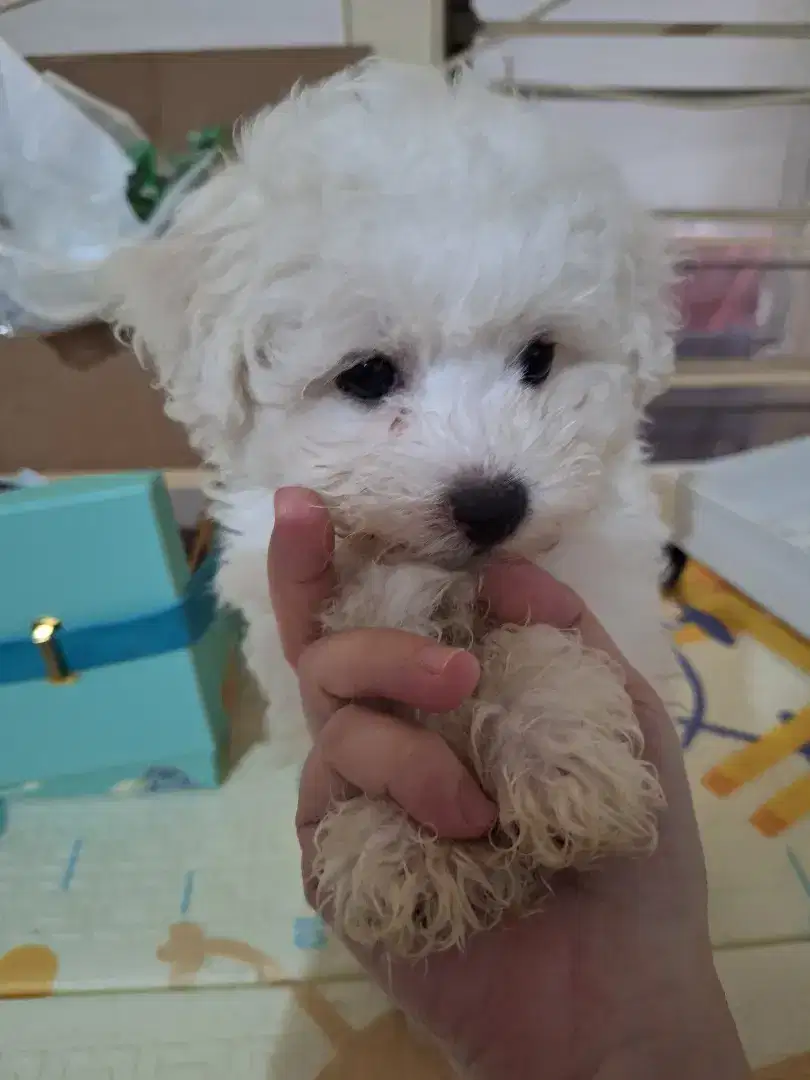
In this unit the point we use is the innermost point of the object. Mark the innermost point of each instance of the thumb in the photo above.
(299, 565)
(519, 592)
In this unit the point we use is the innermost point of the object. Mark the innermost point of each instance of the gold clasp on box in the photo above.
(44, 634)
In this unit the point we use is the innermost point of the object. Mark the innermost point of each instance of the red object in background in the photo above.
(720, 299)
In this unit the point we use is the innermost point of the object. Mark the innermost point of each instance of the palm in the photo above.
(585, 955)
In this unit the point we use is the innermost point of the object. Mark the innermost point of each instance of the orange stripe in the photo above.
(688, 634)
(753, 760)
(784, 809)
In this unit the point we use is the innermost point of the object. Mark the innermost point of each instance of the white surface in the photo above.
(674, 157)
(87, 879)
(255, 1034)
(747, 517)
(233, 1034)
(78, 26)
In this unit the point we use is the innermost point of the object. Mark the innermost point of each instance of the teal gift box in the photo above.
(113, 653)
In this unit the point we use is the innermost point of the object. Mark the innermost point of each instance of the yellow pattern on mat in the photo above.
(708, 595)
(784, 809)
(28, 971)
(756, 758)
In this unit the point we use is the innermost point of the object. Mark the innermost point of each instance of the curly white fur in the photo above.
(388, 211)
(552, 737)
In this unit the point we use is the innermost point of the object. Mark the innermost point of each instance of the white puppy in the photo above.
(416, 298)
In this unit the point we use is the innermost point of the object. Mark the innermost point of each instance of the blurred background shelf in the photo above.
(705, 107)
(635, 28)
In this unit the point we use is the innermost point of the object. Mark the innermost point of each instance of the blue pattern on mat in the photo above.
(309, 933)
(188, 890)
(692, 725)
(166, 778)
(72, 863)
(799, 870)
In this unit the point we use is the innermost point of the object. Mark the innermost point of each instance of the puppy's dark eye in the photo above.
(371, 379)
(536, 359)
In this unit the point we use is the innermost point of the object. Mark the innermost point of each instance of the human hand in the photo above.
(614, 977)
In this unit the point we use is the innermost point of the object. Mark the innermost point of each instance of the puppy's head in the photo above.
(415, 298)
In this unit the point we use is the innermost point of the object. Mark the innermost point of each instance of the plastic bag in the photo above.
(65, 167)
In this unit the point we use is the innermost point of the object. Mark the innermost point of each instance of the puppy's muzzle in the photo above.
(487, 511)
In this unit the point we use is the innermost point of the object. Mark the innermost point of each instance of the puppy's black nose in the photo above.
(489, 511)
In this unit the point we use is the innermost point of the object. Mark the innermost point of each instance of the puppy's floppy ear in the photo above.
(177, 298)
(646, 295)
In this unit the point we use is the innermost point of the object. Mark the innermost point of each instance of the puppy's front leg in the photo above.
(557, 744)
(383, 878)
(554, 739)
(418, 598)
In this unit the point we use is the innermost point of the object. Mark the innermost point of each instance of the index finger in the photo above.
(299, 566)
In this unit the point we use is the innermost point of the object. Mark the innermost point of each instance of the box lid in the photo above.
(88, 550)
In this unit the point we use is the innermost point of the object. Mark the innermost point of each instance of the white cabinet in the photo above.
(744, 386)
(402, 29)
(80, 26)
(673, 157)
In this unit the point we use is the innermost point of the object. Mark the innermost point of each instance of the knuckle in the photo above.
(333, 734)
(290, 650)
(307, 661)
(315, 663)
(426, 759)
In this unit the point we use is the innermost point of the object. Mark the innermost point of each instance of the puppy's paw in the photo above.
(557, 743)
(383, 880)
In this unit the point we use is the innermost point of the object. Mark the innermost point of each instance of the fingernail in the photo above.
(477, 810)
(437, 658)
(285, 504)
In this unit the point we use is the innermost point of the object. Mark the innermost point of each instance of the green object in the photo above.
(152, 177)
